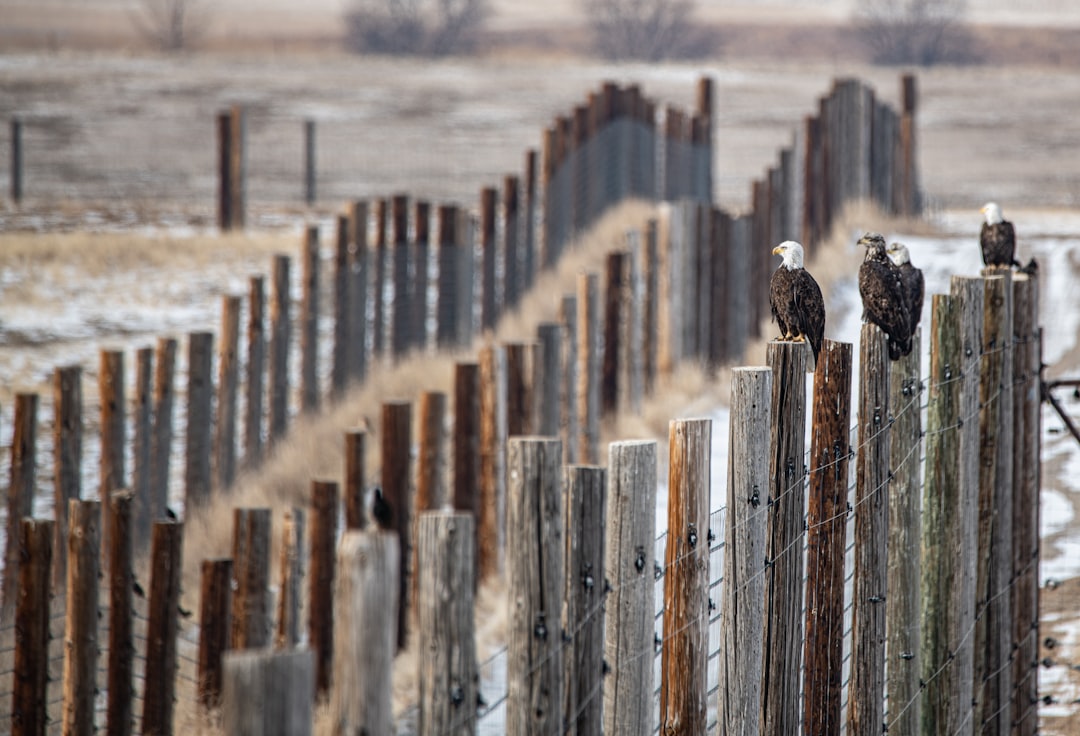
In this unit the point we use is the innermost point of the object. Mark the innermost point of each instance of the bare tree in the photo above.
(172, 25)
(924, 32)
(423, 27)
(648, 30)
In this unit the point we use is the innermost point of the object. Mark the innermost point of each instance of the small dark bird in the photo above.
(912, 279)
(381, 511)
(184, 613)
(170, 514)
(882, 292)
(795, 299)
(137, 589)
(997, 238)
(1031, 268)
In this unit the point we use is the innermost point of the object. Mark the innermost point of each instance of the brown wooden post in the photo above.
(512, 276)
(309, 321)
(994, 713)
(743, 595)
(401, 313)
(251, 615)
(324, 533)
(783, 574)
(353, 488)
(629, 560)
(291, 571)
(268, 693)
(379, 306)
(225, 179)
(359, 268)
(535, 552)
(20, 491)
(588, 386)
(339, 370)
(905, 531)
(684, 680)
(67, 459)
(29, 699)
(447, 301)
(161, 452)
(81, 622)
(866, 706)
(119, 710)
(909, 183)
(280, 339)
(490, 491)
(161, 629)
(431, 459)
(941, 708)
(365, 619)
(528, 245)
(309, 162)
(113, 431)
(255, 384)
(228, 385)
(421, 258)
(141, 451)
(585, 593)
(547, 379)
(398, 495)
(200, 393)
(519, 389)
(568, 429)
(16, 160)
(466, 493)
(489, 305)
(448, 673)
(238, 167)
(215, 626)
(649, 337)
(613, 321)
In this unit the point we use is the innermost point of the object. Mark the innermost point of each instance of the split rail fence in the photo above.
(529, 501)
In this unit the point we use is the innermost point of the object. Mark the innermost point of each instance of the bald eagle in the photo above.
(795, 298)
(882, 291)
(912, 279)
(997, 238)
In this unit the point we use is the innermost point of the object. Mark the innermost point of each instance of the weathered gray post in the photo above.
(268, 693)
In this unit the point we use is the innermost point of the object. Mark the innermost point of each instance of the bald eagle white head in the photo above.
(992, 212)
(899, 254)
(792, 254)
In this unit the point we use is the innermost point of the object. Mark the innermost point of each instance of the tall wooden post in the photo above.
(309, 162)
(29, 699)
(119, 708)
(630, 559)
(280, 338)
(495, 390)
(512, 277)
(251, 614)
(291, 575)
(113, 431)
(16, 161)
(528, 208)
(520, 403)
(398, 494)
(866, 706)
(489, 306)
(81, 623)
(465, 492)
(225, 179)
(268, 693)
(431, 459)
(448, 672)
(421, 260)
(783, 573)
(446, 303)
(255, 384)
(166, 557)
(142, 446)
(359, 268)
(324, 534)
(378, 294)
(339, 369)
(200, 392)
(613, 335)
(547, 379)
(215, 626)
(401, 313)
(353, 489)
(67, 459)
(742, 600)
(535, 551)
(20, 492)
(568, 416)
(309, 322)
(161, 452)
(588, 374)
(684, 682)
(228, 384)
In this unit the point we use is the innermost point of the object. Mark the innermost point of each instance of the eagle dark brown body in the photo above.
(912, 280)
(997, 238)
(795, 298)
(883, 298)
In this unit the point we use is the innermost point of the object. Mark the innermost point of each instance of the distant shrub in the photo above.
(922, 32)
(414, 27)
(172, 25)
(646, 30)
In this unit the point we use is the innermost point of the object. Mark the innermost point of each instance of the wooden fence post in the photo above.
(421, 258)
(226, 188)
(528, 245)
(401, 316)
(113, 432)
(448, 672)
(161, 452)
(20, 492)
(16, 161)
(280, 338)
(568, 429)
(119, 708)
(742, 601)
(142, 446)
(943, 709)
(215, 626)
(446, 303)
(81, 623)
(359, 267)
(629, 563)
(431, 458)
(227, 388)
(783, 573)
(29, 699)
(398, 494)
(309, 162)
(512, 278)
(613, 335)
(199, 395)
(588, 374)
(290, 593)
(67, 459)
(324, 534)
(353, 488)
(238, 165)
(866, 706)
(378, 294)
(994, 624)
(489, 305)
(365, 617)
(585, 593)
(686, 579)
(520, 392)
(267, 693)
(905, 531)
(547, 379)
(490, 493)
(309, 321)
(649, 337)
(166, 564)
(535, 551)
(255, 385)
(251, 615)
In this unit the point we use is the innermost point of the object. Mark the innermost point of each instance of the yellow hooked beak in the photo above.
(778, 250)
